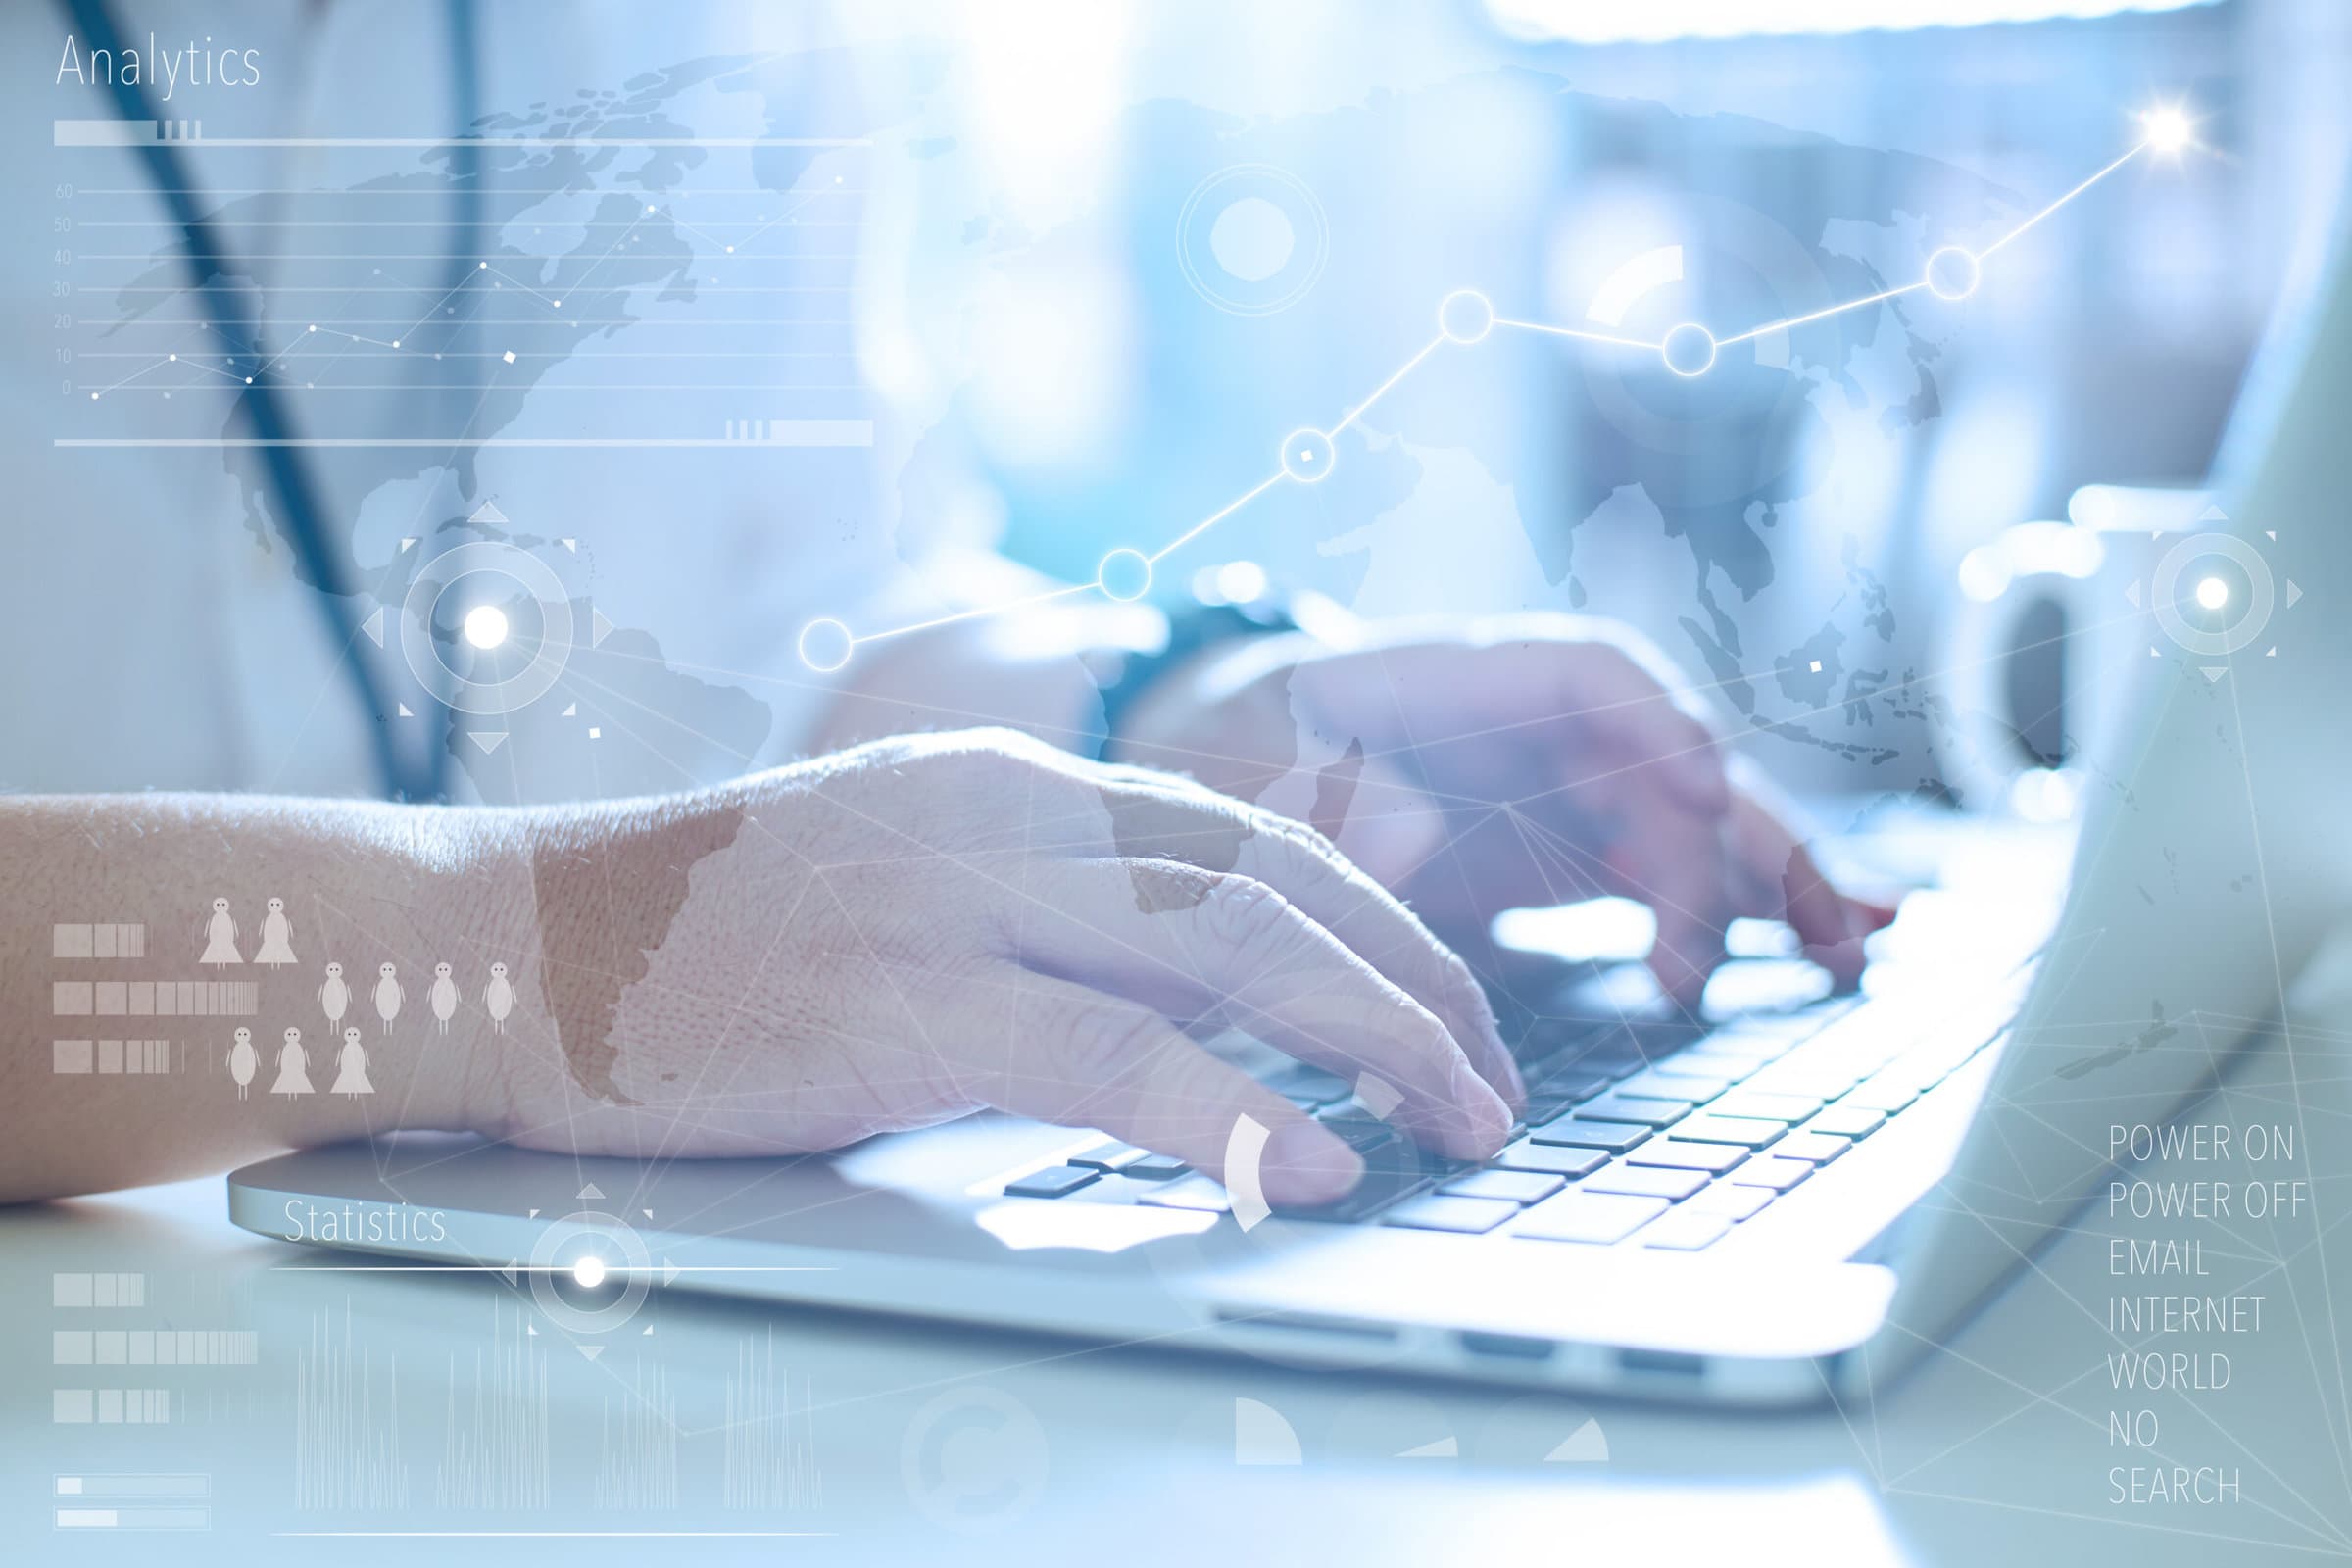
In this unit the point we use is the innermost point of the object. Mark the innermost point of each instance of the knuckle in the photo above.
(1242, 912)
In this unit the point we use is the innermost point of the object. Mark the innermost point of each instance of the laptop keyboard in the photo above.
(1666, 1134)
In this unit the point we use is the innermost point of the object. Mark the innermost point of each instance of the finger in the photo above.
(1076, 1056)
(1308, 871)
(1194, 944)
(1675, 861)
(1628, 717)
(1789, 884)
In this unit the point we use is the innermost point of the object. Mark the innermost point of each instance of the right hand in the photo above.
(910, 930)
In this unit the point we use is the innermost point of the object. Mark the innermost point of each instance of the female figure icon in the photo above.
(351, 1066)
(277, 936)
(221, 936)
(293, 1067)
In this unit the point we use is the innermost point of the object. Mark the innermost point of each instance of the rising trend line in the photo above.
(1464, 318)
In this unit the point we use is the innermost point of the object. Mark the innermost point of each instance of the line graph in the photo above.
(1466, 317)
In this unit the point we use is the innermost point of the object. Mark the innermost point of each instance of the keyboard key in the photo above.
(1814, 1149)
(1696, 1088)
(1471, 1216)
(1713, 1159)
(1747, 1131)
(1313, 1082)
(1051, 1182)
(1647, 1181)
(1642, 1108)
(1683, 1230)
(1552, 1160)
(1546, 1100)
(1849, 1120)
(1778, 1174)
(1599, 1218)
(1197, 1193)
(1376, 1192)
(1155, 1168)
(1886, 1092)
(1576, 1132)
(1108, 1158)
(1755, 1104)
(1510, 1186)
(1817, 1083)
(1730, 1199)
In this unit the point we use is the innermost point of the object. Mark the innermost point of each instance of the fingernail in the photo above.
(1305, 1164)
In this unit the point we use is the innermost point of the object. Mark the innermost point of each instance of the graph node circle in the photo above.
(1307, 455)
(1465, 315)
(1124, 574)
(590, 1273)
(1689, 350)
(1953, 273)
(825, 645)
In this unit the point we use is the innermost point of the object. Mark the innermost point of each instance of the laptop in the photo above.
(1767, 1209)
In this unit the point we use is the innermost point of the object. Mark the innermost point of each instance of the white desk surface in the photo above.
(1994, 1451)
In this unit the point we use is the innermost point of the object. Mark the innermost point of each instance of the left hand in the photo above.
(1524, 760)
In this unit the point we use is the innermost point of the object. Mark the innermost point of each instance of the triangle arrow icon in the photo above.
(1444, 1448)
(2213, 514)
(2293, 592)
(489, 739)
(2270, 653)
(2272, 534)
(2212, 672)
(531, 1329)
(599, 628)
(373, 626)
(647, 1212)
(571, 710)
(533, 1214)
(403, 709)
(669, 1271)
(591, 1351)
(509, 1272)
(487, 512)
(648, 1328)
(2132, 592)
(572, 544)
(407, 544)
(591, 1191)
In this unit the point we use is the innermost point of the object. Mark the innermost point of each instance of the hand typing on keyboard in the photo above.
(1522, 759)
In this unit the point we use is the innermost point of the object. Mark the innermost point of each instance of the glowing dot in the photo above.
(94, 396)
(510, 355)
(173, 358)
(478, 266)
(730, 250)
(2168, 128)
(2213, 593)
(314, 328)
(396, 342)
(589, 1272)
(1689, 350)
(486, 625)
(558, 304)
(1124, 574)
(248, 381)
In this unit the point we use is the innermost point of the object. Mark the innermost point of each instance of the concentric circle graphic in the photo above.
(974, 1460)
(590, 1272)
(1252, 239)
(2228, 602)
(455, 584)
